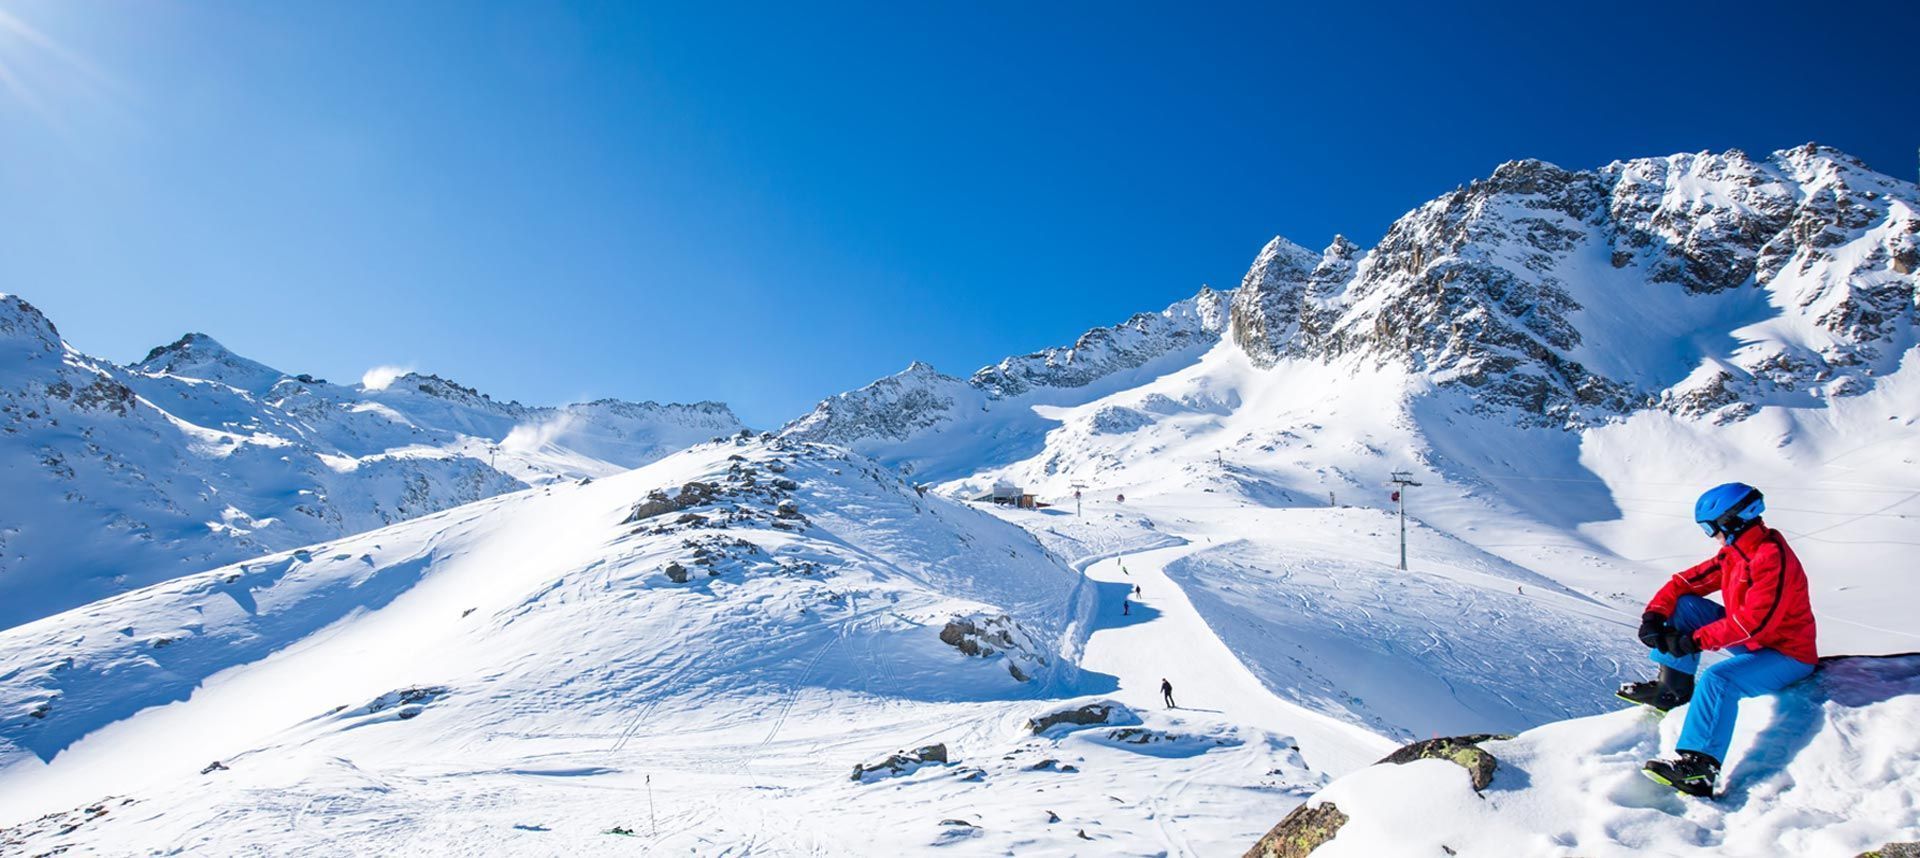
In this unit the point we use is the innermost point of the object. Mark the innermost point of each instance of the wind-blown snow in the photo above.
(383, 376)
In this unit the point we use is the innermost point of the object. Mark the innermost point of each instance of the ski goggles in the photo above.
(1730, 521)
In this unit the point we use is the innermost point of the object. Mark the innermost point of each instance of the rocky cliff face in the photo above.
(1696, 282)
(121, 476)
(1267, 307)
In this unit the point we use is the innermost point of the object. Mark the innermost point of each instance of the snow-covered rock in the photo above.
(121, 476)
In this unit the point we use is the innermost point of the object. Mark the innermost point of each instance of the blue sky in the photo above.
(769, 204)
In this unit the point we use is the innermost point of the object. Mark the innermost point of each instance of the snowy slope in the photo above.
(525, 672)
(195, 457)
(1834, 777)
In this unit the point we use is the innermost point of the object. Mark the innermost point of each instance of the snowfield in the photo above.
(525, 669)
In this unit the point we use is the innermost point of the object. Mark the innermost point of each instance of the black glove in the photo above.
(1678, 644)
(1652, 624)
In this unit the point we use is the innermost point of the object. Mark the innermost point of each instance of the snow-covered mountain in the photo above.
(1697, 283)
(695, 653)
(1559, 346)
(937, 427)
(1562, 359)
(1700, 283)
(121, 476)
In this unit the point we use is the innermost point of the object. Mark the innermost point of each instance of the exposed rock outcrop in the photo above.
(1464, 751)
(902, 763)
(1099, 712)
(1302, 831)
(999, 635)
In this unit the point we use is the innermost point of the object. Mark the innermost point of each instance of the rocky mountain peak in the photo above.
(198, 356)
(1493, 286)
(918, 369)
(23, 322)
(1266, 308)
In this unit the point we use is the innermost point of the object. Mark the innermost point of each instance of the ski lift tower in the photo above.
(1402, 480)
(1076, 499)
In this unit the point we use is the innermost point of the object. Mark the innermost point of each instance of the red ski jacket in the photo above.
(1765, 592)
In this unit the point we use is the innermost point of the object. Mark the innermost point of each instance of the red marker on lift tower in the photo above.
(1403, 479)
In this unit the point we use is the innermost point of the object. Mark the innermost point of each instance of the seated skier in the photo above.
(1766, 627)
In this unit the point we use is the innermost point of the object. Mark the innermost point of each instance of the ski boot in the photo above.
(1672, 689)
(1690, 772)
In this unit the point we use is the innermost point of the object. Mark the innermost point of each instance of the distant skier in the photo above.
(1766, 627)
(1166, 692)
(1126, 608)
(1136, 590)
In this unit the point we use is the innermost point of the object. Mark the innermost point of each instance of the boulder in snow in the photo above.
(1308, 826)
(1462, 750)
(902, 763)
(989, 636)
(1100, 712)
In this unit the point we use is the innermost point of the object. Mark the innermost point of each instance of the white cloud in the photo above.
(380, 376)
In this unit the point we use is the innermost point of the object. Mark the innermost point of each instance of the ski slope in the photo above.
(523, 673)
(1164, 637)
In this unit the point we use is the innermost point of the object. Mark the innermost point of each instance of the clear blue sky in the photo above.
(769, 204)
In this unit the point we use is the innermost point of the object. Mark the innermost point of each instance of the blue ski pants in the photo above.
(1718, 690)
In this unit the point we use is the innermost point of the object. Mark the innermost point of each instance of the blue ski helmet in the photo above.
(1727, 509)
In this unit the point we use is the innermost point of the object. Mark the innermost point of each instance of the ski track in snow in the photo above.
(545, 738)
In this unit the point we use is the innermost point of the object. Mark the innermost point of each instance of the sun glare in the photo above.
(32, 64)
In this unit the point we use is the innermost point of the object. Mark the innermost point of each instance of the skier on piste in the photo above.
(1766, 627)
(1166, 692)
